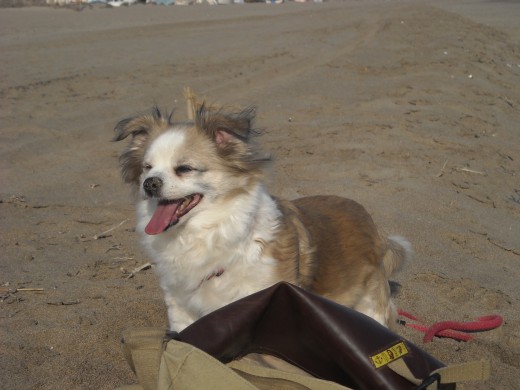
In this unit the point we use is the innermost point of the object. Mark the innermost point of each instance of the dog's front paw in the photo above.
(177, 326)
(178, 319)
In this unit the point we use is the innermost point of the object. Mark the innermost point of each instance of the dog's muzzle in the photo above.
(152, 186)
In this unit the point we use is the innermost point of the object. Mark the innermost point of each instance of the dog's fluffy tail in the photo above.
(399, 251)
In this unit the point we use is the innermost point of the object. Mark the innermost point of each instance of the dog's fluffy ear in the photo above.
(231, 133)
(141, 126)
(143, 129)
(223, 127)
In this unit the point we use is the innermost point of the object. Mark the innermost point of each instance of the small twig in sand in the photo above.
(512, 250)
(462, 186)
(485, 201)
(64, 303)
(442, 169)
(114, 247)
(104, 234)
(138, 269)
(469, 171)
(30, 289)
(477, 232)
(88, 222)
(7, 291)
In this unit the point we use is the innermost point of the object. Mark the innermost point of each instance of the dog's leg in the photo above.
(375, 310)
(178, 318)
(376, 301)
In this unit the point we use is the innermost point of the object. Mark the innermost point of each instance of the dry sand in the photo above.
(410, 108)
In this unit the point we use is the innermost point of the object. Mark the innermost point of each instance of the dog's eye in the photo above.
(181, 169)
(147, 167)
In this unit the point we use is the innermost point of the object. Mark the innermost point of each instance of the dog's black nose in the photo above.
(152, 186)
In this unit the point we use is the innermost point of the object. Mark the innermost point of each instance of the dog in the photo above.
(216, 235)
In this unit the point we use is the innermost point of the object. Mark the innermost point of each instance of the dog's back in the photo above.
(350, 261)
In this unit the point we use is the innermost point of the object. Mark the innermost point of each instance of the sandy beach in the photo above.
(411, 108)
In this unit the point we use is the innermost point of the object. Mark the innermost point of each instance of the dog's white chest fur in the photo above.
(216, 257)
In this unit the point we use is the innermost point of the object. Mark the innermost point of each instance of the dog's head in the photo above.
(188, 166)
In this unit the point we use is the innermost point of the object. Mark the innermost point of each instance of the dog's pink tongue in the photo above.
(164, 216)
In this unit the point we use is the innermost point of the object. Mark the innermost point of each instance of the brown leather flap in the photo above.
(324, 338)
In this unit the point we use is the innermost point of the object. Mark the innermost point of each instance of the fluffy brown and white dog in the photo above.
(216, 235)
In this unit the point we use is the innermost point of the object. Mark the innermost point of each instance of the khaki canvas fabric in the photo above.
(180, 366)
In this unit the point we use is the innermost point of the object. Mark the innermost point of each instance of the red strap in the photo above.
(481, 324)
(451, 329)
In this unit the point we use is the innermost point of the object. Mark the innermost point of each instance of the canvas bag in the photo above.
(337, 348)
